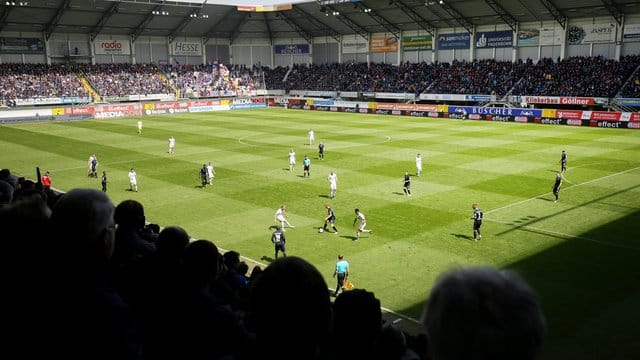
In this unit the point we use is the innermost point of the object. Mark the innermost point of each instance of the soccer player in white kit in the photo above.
(281, 217)
(210, 173)
(133, 180)
(292, 160)
(363, 223)
(418, 165)
(333, 184)
(139, 123)
(172, 145)
(312, 137)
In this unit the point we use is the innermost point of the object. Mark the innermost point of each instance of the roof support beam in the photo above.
(379, 19)
(211, 33)
(319, 24)
(103, 20)
(187, 19)
(424, 23)
(266, 23)
(4, 13)
(459, 18)
(56, 18)
(503, 14)
(236, 30)
(613, 10)
(555, 12)
(140, 28)
(296, 27)
(352, 25)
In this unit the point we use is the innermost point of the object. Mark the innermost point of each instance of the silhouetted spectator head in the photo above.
(291, 310)
(6, 193)
(172, 242)
(357, 317)
(201, 261)
(483, 313)
(82, 221)
(130, 214)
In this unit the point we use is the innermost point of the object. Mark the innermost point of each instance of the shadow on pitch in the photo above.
(274, 227)
(267, 259)
(462, 236)
(324, 196)
(398, 193)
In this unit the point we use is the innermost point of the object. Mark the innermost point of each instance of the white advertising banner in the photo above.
(112, 47)
(631, 32)
(355, 46)
(186, 48)
(591, 33)
(550, 36)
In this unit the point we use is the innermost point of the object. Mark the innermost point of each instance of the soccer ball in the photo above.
(320, 230)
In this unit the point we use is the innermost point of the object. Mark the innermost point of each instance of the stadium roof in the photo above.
(286, 19)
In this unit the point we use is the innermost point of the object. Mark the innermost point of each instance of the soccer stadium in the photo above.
(329, 179)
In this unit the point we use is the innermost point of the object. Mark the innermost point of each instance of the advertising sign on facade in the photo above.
(187, 48)
(112, 47)
(494, 39)
(417, 43)
(454, 41)
(292, 49)
(591, 33)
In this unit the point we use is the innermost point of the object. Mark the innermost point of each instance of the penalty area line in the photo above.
(550, 192)
(564, 235)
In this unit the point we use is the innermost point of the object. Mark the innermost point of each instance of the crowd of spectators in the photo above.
(574, 76)
(126, 79)
(25, 81)
(92, 280)
(213, 79)
(632, 88)
(577, 76)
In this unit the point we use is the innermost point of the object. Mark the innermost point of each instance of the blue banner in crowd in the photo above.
(293, 49)
(466, 110)
(454, 41)
(494, 39)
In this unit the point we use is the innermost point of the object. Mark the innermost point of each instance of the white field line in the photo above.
(547, 193)
(556, 233)
(400, 316)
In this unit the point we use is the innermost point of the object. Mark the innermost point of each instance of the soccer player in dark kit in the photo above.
(477, 222)
(556, 186)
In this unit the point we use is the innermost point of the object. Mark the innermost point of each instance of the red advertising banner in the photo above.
(79, 110)
(115, 111)
(569, 114)
(407, 107)
(560, 100)
(605, 115)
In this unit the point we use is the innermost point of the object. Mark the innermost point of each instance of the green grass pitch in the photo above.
(581, 254)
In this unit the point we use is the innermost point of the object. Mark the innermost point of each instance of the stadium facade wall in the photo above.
(552, 41)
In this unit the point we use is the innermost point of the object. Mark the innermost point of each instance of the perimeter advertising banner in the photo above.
(591, 33)
(112, 47)
(13, 45)
(417, 43)
(494, 39)
(382, 44)
(454, 41)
